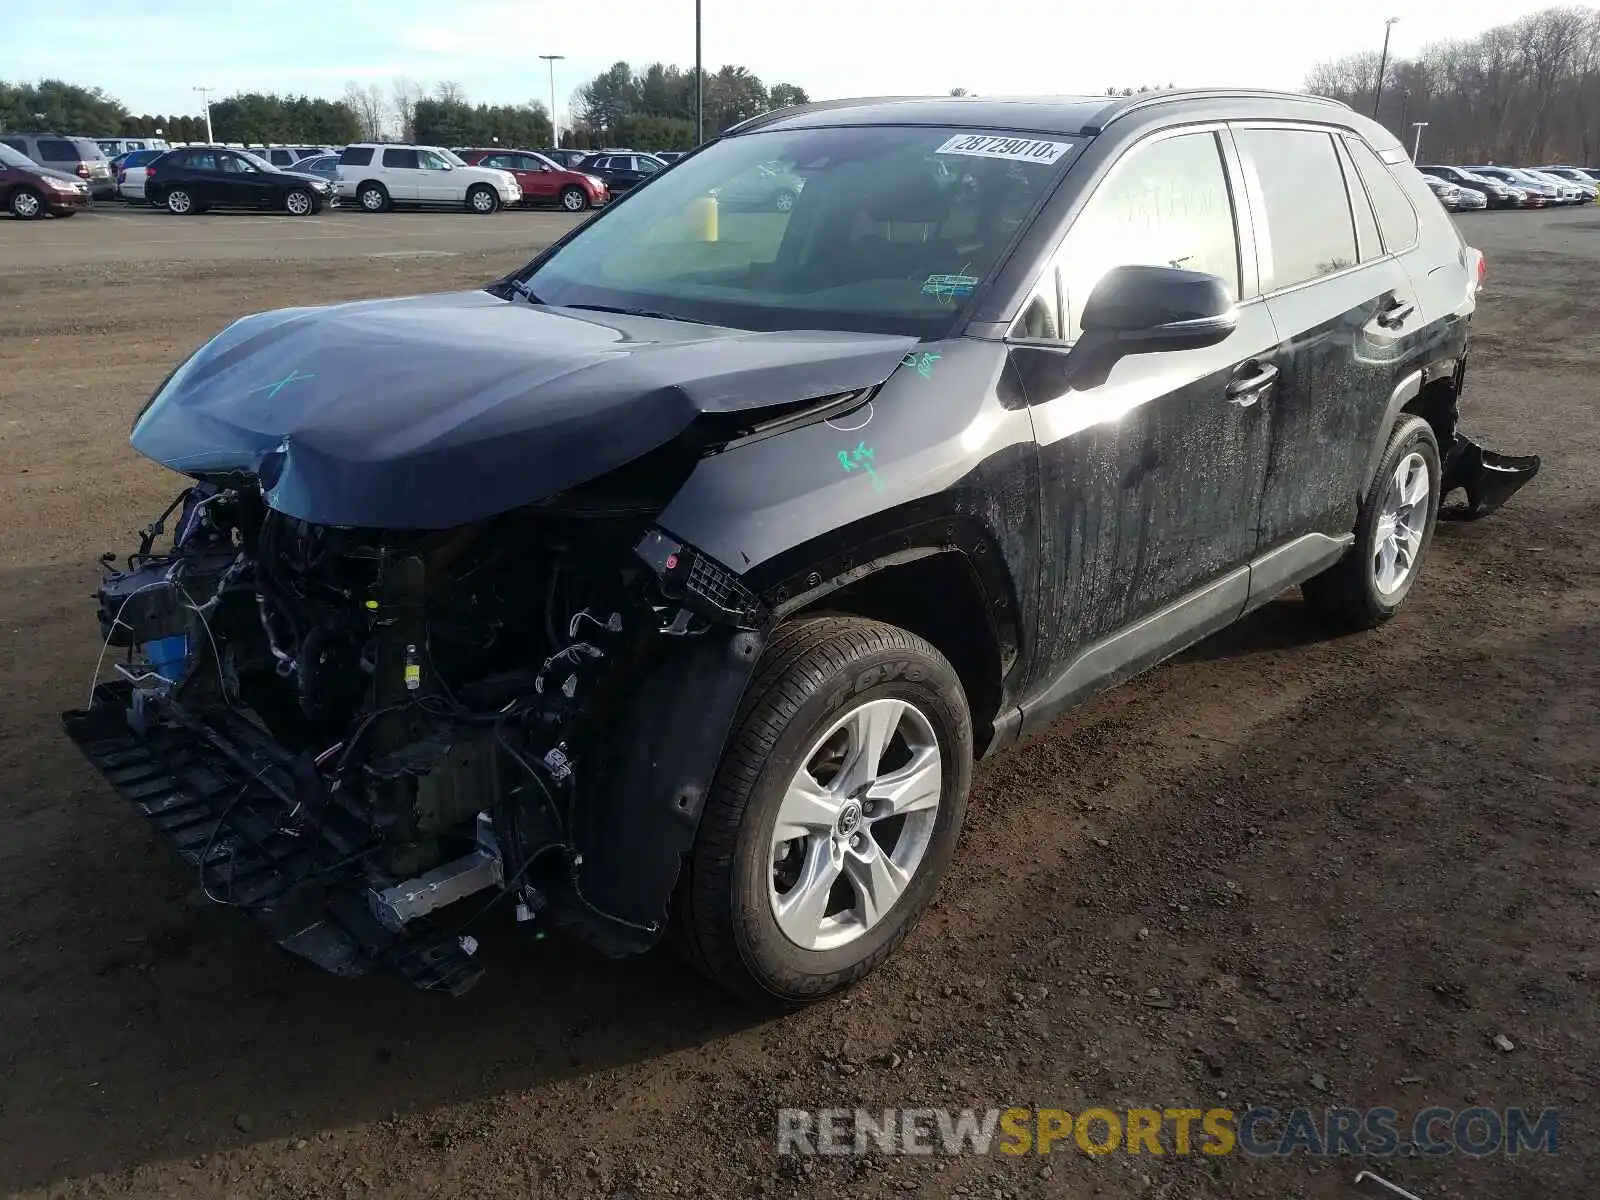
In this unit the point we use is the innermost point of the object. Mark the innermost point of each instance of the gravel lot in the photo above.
(1285, 869)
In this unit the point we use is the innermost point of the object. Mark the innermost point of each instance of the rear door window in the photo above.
(1309, 230)
(400, 160)
(57, 150)
(356, 156)
(1367, 239)
(1396, 218)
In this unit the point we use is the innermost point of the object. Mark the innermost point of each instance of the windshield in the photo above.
(14, 158)
(880, 228)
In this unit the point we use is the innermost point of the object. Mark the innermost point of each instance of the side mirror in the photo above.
(1143, 309)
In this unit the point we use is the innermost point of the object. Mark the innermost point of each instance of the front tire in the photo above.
(574, 199)
(299, 203)
(784, 201)
(27, 204)
(483, 199)
(833, 814)
(1393, 531)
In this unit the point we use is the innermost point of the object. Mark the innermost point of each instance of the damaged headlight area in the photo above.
(345, 731)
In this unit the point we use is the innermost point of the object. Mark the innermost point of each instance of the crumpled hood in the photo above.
(432, 411)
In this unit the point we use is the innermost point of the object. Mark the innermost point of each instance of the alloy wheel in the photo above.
(855, 824)
(179, 202)
(572, 201)
(372, 200)
(26, 205)
(1401, 524)
(298, 203)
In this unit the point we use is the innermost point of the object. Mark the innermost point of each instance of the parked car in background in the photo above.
(1445, 193)
(325, 165)
(541, 180)
(1568, 192)
(75, 155)
(563, 158)
(669, 156)
(198, 178)
(1545, 191)
(130, 171)
(111, 147)
(1576, 174)
(379, 177)
(622, 172)
(1498, 192)
(287, 156)
(1575, 177)
(770, 187)
(29, 191)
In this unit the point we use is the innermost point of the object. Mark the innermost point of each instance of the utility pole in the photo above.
(205, 94)
(699, 83)
(555, 130)
(1383, 65)
(1416, 146)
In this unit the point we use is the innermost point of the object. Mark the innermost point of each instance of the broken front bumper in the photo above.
(264, 835)
(1489, 479)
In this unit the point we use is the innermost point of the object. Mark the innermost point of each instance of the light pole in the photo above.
(699, 83)
(555, 130)
(205, 94)
(1383, 65)
(1416, 146)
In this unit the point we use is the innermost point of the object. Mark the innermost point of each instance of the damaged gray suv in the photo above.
(673, 583)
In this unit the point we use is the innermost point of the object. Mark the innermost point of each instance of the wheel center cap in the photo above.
(849, 819)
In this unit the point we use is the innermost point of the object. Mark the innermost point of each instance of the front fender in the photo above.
(633, 832)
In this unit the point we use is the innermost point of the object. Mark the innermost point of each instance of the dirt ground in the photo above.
(1285, 869)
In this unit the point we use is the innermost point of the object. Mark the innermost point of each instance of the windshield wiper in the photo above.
(525, 289)
(638, 312)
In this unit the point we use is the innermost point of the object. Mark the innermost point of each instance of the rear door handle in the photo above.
(1245, 390)
(1396, 313)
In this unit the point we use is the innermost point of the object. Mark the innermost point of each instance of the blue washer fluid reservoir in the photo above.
(169, 656)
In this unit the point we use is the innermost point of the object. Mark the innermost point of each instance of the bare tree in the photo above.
(406, 92)
(450, 92)
(1528, 91)
(370, 108)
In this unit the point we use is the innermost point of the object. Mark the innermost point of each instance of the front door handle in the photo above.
(1245, 390)
(1396, 313)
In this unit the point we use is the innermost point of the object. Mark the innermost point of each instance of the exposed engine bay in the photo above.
(346, 730)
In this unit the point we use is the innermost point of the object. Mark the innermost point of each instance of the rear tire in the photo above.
(1393, 531)
(27, 204)
(374, 197)
(827, 677)
(482, 199)
(180, 202)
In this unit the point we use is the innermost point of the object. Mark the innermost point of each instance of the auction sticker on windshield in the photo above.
(990, 145)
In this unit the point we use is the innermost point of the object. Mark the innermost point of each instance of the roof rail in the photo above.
(1122, 106)
(774, 114)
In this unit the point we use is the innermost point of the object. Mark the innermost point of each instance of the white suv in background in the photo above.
(378, 176)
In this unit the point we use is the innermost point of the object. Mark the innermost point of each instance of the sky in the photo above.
(150, 54)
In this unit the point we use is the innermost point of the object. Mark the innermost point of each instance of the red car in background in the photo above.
(543, 181)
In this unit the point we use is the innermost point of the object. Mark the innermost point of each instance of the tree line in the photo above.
(1524, 92)
(654, 109)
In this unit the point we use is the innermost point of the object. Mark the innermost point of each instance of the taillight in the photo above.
(83, 170)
